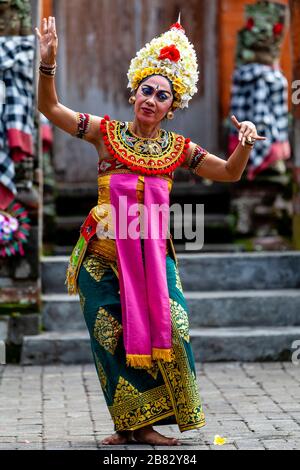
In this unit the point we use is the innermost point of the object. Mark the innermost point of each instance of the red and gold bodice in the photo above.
(152, 157)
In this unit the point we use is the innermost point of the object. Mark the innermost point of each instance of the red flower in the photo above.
(277, 28)
(170, 52)
(250, 23)
(177, 26)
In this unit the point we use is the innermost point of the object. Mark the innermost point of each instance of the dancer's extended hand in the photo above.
(246, 129)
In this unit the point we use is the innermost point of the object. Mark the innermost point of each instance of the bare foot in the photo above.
(119, 438)
(147, 435)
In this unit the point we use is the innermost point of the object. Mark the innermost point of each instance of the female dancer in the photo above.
(129, 286)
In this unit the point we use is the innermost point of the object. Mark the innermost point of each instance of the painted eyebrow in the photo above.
(151, 86)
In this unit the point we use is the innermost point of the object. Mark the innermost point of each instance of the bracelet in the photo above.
(47, 69)
(48, 66)
(45, 74)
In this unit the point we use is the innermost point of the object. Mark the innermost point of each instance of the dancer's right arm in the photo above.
(48, 104)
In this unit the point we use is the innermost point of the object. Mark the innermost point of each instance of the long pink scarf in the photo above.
(144, 291)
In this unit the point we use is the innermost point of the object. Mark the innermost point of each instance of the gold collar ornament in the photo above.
(148, 156)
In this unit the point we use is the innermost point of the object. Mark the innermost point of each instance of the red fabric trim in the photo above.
(20, 143)
(88, 228)
(47, 137)
(6, 197)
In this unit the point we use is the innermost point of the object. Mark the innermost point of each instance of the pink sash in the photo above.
(144, 293)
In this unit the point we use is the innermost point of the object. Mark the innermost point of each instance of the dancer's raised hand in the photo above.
(48, 40)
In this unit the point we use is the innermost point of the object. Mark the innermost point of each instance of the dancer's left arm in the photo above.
(209, 166)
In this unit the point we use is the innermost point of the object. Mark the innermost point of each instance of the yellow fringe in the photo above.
(164, 354)
(71, 284)
(139, 360)
(72, 274)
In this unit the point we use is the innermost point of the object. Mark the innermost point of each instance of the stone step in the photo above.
(57, 347)
(245, 308)
(244, 344)
(62, 312)
(209, 271)
(209, 345)
(239, 271)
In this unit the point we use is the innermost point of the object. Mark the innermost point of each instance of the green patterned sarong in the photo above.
(167, 393)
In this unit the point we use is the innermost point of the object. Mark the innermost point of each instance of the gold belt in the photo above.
(106, 248)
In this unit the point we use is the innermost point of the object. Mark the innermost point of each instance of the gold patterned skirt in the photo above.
(167, 393)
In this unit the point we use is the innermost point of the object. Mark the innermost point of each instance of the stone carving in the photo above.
(15, 18)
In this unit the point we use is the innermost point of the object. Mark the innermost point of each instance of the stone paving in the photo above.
(253, 405)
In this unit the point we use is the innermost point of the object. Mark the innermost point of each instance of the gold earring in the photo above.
(170, 115)
(132, 100)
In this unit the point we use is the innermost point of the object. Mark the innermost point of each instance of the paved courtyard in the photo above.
(253, 405)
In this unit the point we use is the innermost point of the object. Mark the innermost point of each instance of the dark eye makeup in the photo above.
(148, 90)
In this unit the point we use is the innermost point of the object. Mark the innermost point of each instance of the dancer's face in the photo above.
(154, 99)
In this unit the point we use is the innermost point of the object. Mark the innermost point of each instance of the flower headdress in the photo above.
(173, 56)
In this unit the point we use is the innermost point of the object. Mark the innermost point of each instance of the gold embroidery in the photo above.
(95, 266)
(124, 391)
(107, 330)
(181, 319)
(161, 155)
(141, 408)
(153, 370)
(179, 395)
(103, 248)
(152, 148)
(182, 386)
(101, 373)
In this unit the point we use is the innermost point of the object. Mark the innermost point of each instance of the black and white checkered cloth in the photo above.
(260, 94)
(17, 74)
